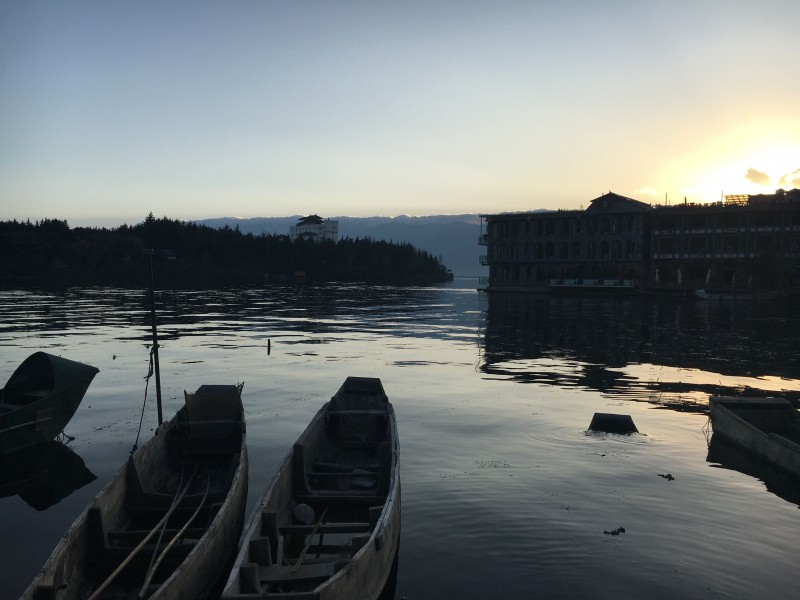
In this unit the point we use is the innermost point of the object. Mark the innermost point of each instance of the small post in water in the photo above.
(155, 336)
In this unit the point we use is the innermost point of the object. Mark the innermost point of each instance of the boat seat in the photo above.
(212, 423)
(107, 550)
(131, 537)
(341, 499)
(138, 498)
(326, 528)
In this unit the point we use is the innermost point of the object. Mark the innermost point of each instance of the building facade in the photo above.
(746, 243)
(315, 228)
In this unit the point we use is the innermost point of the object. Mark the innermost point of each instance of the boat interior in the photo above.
(171, 494)
(334, 495)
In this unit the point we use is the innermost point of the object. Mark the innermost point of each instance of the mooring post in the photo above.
(155, 339)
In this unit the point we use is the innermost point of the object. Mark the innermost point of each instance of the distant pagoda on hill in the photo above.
(315, 228)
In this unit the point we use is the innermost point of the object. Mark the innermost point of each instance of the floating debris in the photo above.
(616, 531)
(612, 423)
(667, 476)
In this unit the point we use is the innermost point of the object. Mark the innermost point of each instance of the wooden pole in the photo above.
(155, 340)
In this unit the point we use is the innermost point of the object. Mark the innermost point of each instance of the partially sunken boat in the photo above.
(767, 427)
(328, 526)
(40, 398)
(167, 525)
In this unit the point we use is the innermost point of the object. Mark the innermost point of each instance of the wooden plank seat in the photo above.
(340, 551)
(144, 516)
(329, 498)
(212, 424)
(131, 537)
(321, 465)
(273, 595)
(357, 412)
(283, 573)
(108, 549)
(325, 528)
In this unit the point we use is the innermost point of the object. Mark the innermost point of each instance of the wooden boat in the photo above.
(40, 398)
(328, 526)
(767, 427)
(167, 525)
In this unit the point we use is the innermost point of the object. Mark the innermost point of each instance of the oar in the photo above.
(141, 545)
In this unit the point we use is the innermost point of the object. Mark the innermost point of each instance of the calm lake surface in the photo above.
(505, 493)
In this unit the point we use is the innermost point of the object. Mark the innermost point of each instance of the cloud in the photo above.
(790, 180)
(647, 191)
(757, 176)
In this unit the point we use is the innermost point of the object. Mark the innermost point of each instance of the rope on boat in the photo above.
(164, 526)
(154, 567)
(147, 377)
(142, 544)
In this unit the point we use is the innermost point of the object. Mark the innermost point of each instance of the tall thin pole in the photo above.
(155, 339)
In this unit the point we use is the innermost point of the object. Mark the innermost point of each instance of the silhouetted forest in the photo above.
(50, 253)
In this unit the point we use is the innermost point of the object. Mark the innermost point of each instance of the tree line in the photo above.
(51, 253)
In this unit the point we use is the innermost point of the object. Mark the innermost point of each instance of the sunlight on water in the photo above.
(502, 484)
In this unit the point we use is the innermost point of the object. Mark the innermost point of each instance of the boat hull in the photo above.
(100, 538)
(40, 398)
(767, 427)
(356, 510)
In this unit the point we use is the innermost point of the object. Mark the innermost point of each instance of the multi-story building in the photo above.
(602, 246)
(745, 243)
(314, 227)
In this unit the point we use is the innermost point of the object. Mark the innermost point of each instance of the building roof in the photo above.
(614, 203)
(310, 220)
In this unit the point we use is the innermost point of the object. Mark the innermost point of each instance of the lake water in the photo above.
(505, 493)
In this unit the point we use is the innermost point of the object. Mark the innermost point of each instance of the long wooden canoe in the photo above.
(40, 398)
(328, 526)
(167, 525)
(767, 427)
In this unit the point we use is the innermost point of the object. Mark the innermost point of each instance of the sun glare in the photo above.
(758, 159)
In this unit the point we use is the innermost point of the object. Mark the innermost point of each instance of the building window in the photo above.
(603, 249)
(730, 244)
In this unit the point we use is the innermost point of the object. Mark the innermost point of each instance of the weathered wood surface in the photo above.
(40, 398)
(348, 549)
(110, 527)
(767, 427)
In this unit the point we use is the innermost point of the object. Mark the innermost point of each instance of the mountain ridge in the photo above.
(452, 238)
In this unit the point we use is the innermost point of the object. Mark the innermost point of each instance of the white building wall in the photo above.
(328, 230)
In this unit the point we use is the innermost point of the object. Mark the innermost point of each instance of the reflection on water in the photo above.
(502, 485)
(669, 351)
(726, 455)
(43, 475)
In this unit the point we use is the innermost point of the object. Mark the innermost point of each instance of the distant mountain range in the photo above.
(451, 238)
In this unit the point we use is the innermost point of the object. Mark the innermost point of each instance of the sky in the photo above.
(113, 109)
